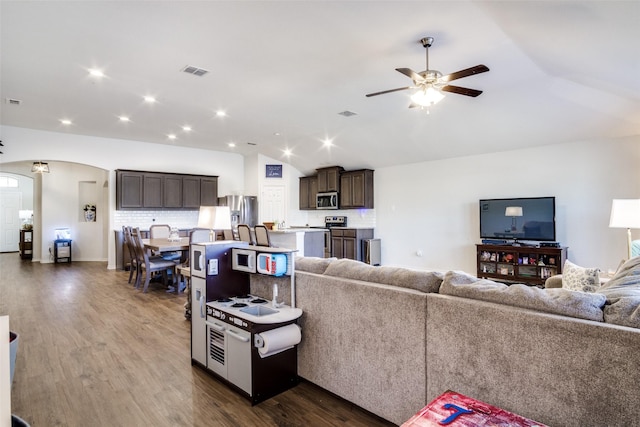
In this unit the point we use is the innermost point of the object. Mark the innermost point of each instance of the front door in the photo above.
(9, 221)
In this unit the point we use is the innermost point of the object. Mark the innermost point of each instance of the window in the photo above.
(6, 182)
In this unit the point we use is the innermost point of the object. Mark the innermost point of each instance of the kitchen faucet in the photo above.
(275, 303)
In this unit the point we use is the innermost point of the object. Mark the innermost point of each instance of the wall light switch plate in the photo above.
(213, 267)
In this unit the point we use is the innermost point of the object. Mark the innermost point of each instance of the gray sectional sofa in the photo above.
(392, 339)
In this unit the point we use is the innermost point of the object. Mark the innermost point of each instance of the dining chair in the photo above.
(163, 231)
(133, 260)
(151, 265)
(244, 233)
(262, 235)
(228, 234)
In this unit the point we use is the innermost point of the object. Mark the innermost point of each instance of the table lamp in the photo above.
(513, 212)
(625, 213)
(214, 218)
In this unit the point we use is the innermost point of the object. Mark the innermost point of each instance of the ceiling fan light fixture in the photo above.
(427, 97)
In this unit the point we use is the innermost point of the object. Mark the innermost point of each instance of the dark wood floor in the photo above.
(94, 351)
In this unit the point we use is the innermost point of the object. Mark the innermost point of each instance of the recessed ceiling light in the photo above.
(172, 136)
(149, 99)
(124, 119)
(327, 142)
(347, 113)
(186, 128)
(94, 72)
(276, 134)
(231, 144)
(287, 152)
(65, 122)
(221, 113)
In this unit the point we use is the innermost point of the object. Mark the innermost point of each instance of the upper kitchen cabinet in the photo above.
(308, 191)
(209, 191)
(329, 179)
(172, 191)
(356, 189)
(155, 190)
(129, 189)
(191, 192)
(199, 191)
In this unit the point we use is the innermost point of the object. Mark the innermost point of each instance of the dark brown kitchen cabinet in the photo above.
(155, 190)
(129, 189)
(172, 191)
(308, 190)
(329, 179)
(191, 192)
(356, 189)
(347, 242)
(152, 191)
(209, 191)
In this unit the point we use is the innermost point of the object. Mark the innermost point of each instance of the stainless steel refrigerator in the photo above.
(244, 210)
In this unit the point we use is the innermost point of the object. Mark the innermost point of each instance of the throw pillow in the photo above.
(576, 278)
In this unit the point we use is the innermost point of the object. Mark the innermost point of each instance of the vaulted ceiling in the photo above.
(283, 71)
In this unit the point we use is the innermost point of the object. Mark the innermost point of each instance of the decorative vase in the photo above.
(90, 215)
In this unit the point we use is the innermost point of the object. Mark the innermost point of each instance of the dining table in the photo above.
(162, 244)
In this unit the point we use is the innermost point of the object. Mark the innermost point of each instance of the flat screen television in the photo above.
(527, 218)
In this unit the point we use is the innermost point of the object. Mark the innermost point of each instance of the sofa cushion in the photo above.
(580, 305)
(626, 281)
(424, 281)
(623, 295)
(576, 278)
(313, 264)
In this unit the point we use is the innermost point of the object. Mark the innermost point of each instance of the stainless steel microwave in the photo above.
(327, 200)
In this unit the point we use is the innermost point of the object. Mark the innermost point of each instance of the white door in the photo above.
(273, 204)
(9, 221)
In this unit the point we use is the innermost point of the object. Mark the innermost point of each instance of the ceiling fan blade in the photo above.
(464, 73)
(412, 74)
(461, 90)
(388, 91)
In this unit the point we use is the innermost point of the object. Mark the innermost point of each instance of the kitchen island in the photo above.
(307, 241)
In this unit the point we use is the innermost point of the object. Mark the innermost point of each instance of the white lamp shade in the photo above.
(25, 214)
(513, 211)
(625, 213)
(215, 217)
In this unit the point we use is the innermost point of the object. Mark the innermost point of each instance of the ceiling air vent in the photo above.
(347, 113)
(12, 101)
(195, 70)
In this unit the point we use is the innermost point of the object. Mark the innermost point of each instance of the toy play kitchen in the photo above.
(247, 341)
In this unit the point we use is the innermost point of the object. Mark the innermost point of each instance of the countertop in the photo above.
(284, 313)
(296, 230)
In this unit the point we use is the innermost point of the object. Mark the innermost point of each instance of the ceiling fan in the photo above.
(431, 83)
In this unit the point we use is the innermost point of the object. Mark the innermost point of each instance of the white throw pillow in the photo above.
(576, 278)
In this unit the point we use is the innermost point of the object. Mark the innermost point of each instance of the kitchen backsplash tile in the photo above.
(361, 218)
(145, 219)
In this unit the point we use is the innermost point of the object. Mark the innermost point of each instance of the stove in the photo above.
(329, 223)
(335, 221)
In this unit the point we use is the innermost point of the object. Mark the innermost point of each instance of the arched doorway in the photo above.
(58, 199)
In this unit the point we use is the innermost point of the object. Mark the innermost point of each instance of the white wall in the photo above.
(432, 207)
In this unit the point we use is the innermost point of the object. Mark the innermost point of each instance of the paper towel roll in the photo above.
(279, 339)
